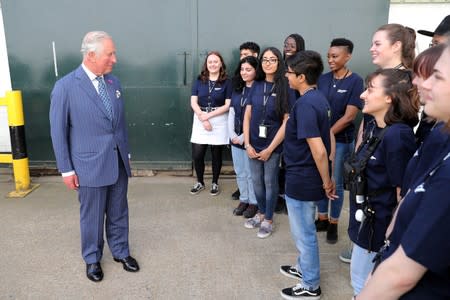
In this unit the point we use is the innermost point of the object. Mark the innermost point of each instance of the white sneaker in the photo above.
(265, 230)
(253, 222)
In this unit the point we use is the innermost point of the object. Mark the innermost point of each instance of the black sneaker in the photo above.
(332, 234)
(238, 211)
(236, 195)
(291, 271)
(299, 292)
(251, 211)
(197, 188)
(214, 189)
(322, 225)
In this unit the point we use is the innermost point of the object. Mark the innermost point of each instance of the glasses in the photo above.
(291, 72)
(290, 46)
(271, 60)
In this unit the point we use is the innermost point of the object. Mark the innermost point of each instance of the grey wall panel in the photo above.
(161, 45)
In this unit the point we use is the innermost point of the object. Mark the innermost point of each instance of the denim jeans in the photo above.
(265, 183)
(303, 230)
(243, 175)
(360, 267)
(343, 151)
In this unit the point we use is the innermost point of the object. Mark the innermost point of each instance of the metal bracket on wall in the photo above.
(185, 55)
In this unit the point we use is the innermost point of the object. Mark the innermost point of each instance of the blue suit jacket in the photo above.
(84, 138)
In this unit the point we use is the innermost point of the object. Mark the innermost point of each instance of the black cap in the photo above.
(442, 29)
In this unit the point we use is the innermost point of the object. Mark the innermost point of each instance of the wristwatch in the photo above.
(246, 146)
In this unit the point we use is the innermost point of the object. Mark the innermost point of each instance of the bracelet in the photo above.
(246, 146)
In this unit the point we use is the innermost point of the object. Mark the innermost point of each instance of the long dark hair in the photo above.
(280, 81)
(397, 84)
(237, 81)
(204, 74)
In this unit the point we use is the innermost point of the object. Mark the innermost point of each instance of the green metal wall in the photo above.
(161, 46)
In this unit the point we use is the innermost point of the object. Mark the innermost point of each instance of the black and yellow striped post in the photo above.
(18, 156)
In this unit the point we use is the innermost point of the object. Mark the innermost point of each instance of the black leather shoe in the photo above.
(94, 272)
(129, 263)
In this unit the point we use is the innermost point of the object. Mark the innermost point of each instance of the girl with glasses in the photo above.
(264, 124)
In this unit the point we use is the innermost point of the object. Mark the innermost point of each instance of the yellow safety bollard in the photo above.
(18, 146)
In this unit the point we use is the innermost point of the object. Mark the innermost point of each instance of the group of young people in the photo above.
(280, 110)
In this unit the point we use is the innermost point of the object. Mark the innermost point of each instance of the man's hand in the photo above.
(71, 182)
(330, 190)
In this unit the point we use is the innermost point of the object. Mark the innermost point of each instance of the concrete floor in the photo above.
(188, 247)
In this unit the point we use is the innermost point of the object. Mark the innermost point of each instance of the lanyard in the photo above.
(211, 85)
(266, 97)
(243, 100)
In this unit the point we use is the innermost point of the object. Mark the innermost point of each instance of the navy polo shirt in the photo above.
(264, 114)
(340, 94)
(422, 227)
(384, 171)
(211, 93)
(309, 118)
(239, 101)
(425, 156)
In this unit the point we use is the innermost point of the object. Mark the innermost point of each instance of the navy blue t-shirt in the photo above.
(211, 93)
(263, 91)
(309, 118)
(239, 101)
(384, 172)
(340, 94)
(422, 228)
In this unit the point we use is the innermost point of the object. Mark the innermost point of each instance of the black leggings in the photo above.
(198, 156)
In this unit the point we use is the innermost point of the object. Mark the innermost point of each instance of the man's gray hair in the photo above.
(92, 41)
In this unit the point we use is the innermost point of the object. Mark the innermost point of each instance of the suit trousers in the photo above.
(106, 208)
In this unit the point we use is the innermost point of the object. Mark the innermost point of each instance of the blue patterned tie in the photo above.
(104, 95)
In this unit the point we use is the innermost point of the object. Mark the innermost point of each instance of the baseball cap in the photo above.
(442, 29)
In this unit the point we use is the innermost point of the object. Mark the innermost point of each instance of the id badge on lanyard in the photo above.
(262, 131)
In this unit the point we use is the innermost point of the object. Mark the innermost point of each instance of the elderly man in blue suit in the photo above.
(90, 142)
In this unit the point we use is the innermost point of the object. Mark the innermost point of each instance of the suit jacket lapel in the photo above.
(86, 84)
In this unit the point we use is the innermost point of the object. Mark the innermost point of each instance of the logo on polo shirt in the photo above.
(419, 188)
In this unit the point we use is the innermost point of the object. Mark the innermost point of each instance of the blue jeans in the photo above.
(343, 151)
(360, 267)
(243, 175)
(303, 230)
(265, 183)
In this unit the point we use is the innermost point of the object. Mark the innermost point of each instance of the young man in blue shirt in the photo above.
(307, 148)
